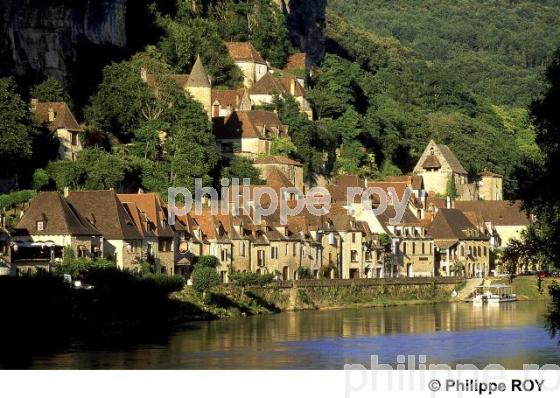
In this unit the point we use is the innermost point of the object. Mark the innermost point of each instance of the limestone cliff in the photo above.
(45, 36)
(306, 23)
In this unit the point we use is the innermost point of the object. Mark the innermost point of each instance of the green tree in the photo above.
(282, 146)
(204, 279)
(268, 32)
(242, 168)
(40, 179)
(451, 188)
(15, 128)
(49, 90)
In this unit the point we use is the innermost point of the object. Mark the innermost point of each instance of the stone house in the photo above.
(490, 186)
(248, 133)
(151, 210)
(264, 91)
(225, 102)
(249, 60)
(59, 120)
(437, 166)
(459, 241)
(121, 240)
(50, 225)
(291, 169)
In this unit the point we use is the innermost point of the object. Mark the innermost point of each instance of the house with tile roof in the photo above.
(248, 133)
(249, 60)
(292, 169)
(503, 220)
(459, 243)
(438, 165)
(149, 215)
(226, 101)
(122, 241)
(60, 121)
(269, 86)
(47, 227)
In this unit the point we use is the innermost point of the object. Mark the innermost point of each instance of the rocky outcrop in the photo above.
(306, 24)
(45, 36)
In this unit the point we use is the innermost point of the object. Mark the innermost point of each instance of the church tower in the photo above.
(199, 86)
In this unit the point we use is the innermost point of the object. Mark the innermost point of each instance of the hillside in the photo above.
(497, 48)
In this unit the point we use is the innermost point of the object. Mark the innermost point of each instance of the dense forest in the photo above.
(379, 95)
(498, 48)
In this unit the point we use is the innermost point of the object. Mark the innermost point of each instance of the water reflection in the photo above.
(508, 333)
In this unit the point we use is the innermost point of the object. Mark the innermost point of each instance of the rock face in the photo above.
(306, 23)
(45, 36)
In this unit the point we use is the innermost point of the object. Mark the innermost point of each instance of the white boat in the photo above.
(494, 294)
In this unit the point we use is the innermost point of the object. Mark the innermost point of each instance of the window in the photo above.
(286, 249)
(74, 138)
(274, 253)
(353, 237)
(260, 258)
(354, 256)
(224, 254)
(40, 225)
(242, 249)
(404, 247)
(413, 247)
(294, 249)
(423, 248)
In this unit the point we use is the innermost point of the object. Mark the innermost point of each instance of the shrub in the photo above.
(206, 262)
(164, 282)
(204, 278)
(250, 278)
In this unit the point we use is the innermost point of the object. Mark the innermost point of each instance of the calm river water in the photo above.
(510, 334)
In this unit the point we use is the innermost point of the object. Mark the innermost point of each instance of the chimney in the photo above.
(52, 115)
(66, 192)
(34, 102)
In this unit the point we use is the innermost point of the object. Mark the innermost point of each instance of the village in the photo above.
(441, 234)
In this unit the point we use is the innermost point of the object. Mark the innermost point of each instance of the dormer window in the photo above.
(40, 225)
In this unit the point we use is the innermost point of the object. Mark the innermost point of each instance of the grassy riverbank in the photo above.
(527, 287)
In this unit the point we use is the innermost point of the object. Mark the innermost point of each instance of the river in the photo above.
(510, 334)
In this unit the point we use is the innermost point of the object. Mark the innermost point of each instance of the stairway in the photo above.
(469, 288)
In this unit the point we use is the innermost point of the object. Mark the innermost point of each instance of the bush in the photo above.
(164, 282)
(40, 179)
(204, 278)
(206, 262)
(250, 278)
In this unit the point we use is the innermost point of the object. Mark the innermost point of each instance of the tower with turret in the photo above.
(199, 86)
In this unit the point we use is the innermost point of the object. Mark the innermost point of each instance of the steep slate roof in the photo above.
(498, 212)
(150, 204)
(63, 117)
(453, 162)
(244, 51)
(277, 160)
(198, 76)
(452, 224)
(59, 217)
(106, 212)
(248, 124)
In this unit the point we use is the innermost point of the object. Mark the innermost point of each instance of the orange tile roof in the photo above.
(244, 51)
(277, 160)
